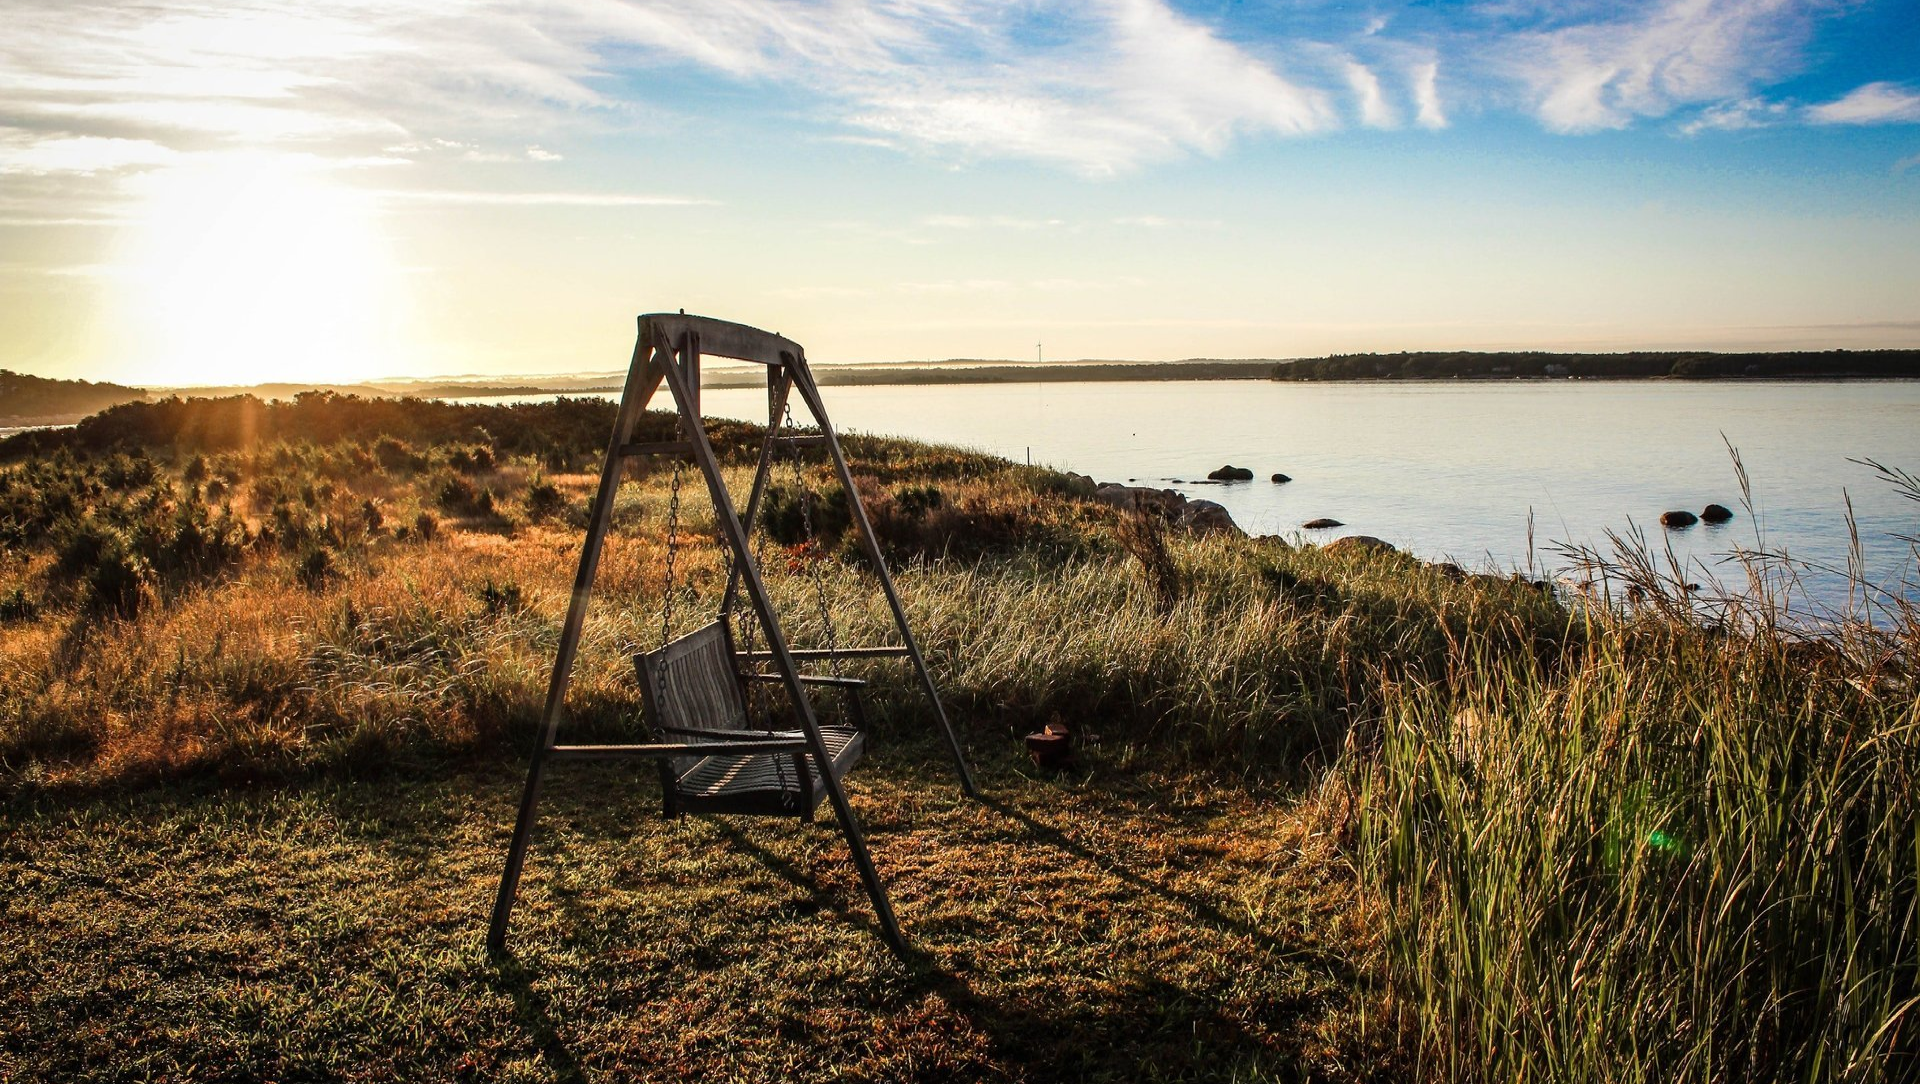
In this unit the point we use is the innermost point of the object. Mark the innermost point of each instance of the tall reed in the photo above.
(1683, 850)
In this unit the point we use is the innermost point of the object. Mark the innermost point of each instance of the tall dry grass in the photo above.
(1686, 848)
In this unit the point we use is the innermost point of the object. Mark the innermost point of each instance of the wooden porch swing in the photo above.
(694, 688)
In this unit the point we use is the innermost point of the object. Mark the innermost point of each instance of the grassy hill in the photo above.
(269, 674)
(28, 399)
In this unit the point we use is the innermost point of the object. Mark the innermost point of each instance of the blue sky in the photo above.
(276, 190)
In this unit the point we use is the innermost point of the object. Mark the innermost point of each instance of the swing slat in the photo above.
(690, 690)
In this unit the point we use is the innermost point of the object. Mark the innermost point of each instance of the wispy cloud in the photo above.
(1425, 79)
(1648, 59)
(1738, 115)
(545, 199)
(1094, 86)
(24, 152)
(1874, 103)
(999, 222)
(1374, 110)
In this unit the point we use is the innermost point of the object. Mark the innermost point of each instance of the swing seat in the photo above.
(693, 694)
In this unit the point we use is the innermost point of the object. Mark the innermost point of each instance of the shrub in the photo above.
(500, 598)
(120, 582)
(316, 568)
(17, 606)
(395, 455)
(82, 544)
(475, 460)
(425, 526)
(544, 500)
(790, 507)
(916, 501)
(456, 494)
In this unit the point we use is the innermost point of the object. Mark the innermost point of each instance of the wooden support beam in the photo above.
(736, 537)
(810, 394)
(643, 379)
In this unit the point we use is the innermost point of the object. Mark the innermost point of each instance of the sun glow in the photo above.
(252, 269)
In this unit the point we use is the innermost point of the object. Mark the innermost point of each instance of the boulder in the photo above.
(1281, 479)
(1231, 473)
(1139, 498)
(1168, 505)
(1080, 485)
(1451, 571)
(1678, 519)
(1364, 542)
(1208, 517)
(1716, 513)
(1321, 524)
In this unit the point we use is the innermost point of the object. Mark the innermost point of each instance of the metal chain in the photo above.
(666, 608)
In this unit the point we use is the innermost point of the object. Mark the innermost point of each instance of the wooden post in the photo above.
(643, 379)
(777, 384)
(736, 537)
(803, 381)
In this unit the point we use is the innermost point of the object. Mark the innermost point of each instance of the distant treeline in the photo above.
(1680, 364)
(1103, 371)
(565, 431)
(24, 396)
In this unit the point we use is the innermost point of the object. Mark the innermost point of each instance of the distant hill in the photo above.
(26, 398)
(1644, 364)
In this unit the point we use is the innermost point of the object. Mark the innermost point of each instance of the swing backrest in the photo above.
(690, 683)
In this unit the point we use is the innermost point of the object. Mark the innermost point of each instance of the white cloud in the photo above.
(1874, 103)
(1162, 222)
(1651, 59)
(1426, 96)
(545, 199)
(977, 222)
(1737, 116)
(1374, 110)
(27, 152)
(1094, 86)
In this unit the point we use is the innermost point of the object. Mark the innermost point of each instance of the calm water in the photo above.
(1452, 470)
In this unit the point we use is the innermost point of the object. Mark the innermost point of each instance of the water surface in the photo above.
(1454, 469)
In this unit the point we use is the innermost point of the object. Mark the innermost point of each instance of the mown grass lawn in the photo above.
(1097, 925)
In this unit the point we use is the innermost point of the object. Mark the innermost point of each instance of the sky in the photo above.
(266, 190)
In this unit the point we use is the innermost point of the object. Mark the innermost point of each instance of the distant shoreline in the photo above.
(1427, 367)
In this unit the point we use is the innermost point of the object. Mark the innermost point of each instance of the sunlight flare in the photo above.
(255, 268)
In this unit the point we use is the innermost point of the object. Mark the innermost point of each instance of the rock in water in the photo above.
(1677, 519)
(1231, 473)
(1361, 542)
(1206, 516)
(1321, 524)
(1716, 513)
(1281, 479)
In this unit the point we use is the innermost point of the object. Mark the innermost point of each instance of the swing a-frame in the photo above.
(712, 755)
